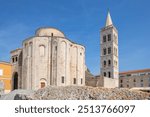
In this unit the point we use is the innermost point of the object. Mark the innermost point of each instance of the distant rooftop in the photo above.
(16, 50)
(4, 62)
(135, 71)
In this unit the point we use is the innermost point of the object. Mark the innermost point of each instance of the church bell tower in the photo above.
(109, 53)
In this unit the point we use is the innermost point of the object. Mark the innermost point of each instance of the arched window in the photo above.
(104, 51)
(109, 62)
(55, 48)
(109, 50)
(52, 34)
(104, 63)
(42, 50)
(13, 60)
(81, 81)
(74, 81)
(104, 38)
(30, 49)
(43, 83)
(134, 80)
(16, 58)
(109, 74)
(109, 37)
(62, 79)
(15, 81)
(104, 74)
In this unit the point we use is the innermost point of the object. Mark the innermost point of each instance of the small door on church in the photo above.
(15, 81)
(42, 84)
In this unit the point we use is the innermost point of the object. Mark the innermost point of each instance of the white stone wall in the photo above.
(113, 57)
(49, 59)
(16, 66)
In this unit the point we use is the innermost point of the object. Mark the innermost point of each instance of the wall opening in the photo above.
(16, 59)
(15, 81)
(81, 81)
(42, 84)
(109, 74)
(42, 50)
(104, 74)
(74, 81)
(52, 34)
(62, 79)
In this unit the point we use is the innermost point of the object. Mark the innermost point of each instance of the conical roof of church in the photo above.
(108, 20)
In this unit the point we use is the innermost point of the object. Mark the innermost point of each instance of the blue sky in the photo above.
(81, 21)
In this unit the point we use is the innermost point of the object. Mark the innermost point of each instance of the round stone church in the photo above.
(48, 58)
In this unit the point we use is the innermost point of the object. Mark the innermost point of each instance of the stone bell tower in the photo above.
(109, 54)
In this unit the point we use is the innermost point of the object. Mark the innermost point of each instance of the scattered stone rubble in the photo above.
(88, 93)
(79, 93)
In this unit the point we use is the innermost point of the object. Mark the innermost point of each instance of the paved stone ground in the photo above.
(78, 93)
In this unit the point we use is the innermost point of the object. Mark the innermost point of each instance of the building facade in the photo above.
(138, 79)
(134, 78)
(5, 76)
(48, 58)
(109, 55)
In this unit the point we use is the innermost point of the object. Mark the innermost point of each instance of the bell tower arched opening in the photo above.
(15, 81)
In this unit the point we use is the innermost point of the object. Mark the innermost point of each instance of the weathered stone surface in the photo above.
(49, 58)
(77, 93)
(109, 62)
(88, 93)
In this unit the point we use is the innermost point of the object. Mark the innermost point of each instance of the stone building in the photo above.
(109, 55)
(134, 78)
(110, 76)
(48, 58)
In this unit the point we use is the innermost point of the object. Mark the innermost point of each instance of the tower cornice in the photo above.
(109, 27)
